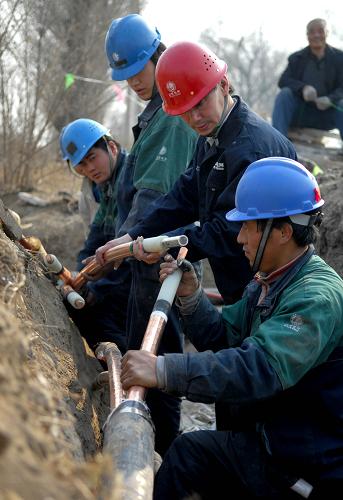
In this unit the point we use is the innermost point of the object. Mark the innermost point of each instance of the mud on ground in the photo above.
(50, 420)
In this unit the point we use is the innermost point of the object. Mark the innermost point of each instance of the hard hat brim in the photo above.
(132, 70)
(128, 72)
(237, 216)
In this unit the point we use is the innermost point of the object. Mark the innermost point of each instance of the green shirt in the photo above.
(162, 152)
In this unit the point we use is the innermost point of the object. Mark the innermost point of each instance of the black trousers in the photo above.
(211, 465)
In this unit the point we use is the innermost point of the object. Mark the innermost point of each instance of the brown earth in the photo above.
(50, 419)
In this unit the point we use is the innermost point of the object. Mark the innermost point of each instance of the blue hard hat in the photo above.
(129, 44)
(275, 187)
(77, 138)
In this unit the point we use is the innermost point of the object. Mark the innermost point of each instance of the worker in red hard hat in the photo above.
(194, 84)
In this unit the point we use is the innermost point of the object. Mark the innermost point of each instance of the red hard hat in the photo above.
(185, 73)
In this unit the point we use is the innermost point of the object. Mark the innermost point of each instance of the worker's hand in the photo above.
(100, 252)
(309, 93)
(140, 254)
(189, 282)
(323, 103)
(138, 368)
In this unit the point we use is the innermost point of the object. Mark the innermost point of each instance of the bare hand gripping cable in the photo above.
(151, 245)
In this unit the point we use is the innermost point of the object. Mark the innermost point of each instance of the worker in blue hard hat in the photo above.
(76, 140)
(275, 356)
(93, 153)
(163, 146)
(130, 43)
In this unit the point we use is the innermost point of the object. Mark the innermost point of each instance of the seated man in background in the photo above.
(311, 86)
(93, 153)
(275, 357)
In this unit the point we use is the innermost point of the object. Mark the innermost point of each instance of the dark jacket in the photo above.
(102, 230)
(278, 364)
(206, 192)
(292, 77)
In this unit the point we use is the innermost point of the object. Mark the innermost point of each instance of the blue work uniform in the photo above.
(206, 192)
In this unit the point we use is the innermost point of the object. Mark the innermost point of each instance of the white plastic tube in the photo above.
(170, 286)
(163, 242)
(52, 263)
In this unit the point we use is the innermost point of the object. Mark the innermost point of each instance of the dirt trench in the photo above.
(53, 449)
(50, 420)
(50, 425)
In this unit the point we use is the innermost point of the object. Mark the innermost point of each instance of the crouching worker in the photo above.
(276, 356)
(93, 153)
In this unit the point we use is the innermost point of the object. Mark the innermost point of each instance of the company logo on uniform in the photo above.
(218, 166)
(295, 323)
(162, 155)
(172, 90)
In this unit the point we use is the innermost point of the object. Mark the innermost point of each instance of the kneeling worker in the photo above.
(275, 357)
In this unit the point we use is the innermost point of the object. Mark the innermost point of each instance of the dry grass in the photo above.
(56, 176)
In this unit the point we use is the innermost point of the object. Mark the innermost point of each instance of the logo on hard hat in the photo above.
(115, 56)
(171, 86)
(172, 91)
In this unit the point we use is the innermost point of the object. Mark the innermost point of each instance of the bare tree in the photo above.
(41, 41)
(253, 67)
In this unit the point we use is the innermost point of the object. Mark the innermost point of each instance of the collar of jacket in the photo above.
(265, 280)
(214, 139)
(269, 278)
(277, 286)
(230, 128)
(307, 52)
(269, 300)
(152, 107)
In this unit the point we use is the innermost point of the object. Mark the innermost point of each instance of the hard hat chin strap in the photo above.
(154, 91)
(216, 129)
(72, 170)
(112, 163)
(262, 246)
(307, 220)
